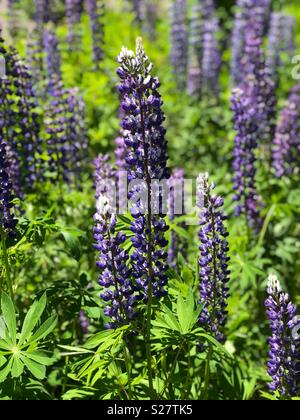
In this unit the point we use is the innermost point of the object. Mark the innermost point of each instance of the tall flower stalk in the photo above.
(73, 13)
(195, 51)
(35, 46)
(95, 10)
(259, 86)
(14, 17)
(213, 262)
(76, 133)
(211, 57)
(257, 10)
(52, 61)
(115, 276)
(244, 164)
(179, 42)
(144, 137)
(7, 219)
(29, 144)
(284, 356)
(281, 39)
(204, 50)
(286, 143)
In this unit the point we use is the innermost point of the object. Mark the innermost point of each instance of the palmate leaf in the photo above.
(37, 370)
(25, 351)
(182, 318)
(45, 329)
(40, 357)
(32, 318)
(71, 236)
(186, 313)
(78, 394)
(9, 316)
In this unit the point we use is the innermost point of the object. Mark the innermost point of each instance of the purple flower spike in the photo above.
(195, 52)
(286, 144)
(84, 322)
(256, 10)
(283, 365)
(53, 61)
(213, 261)
(76, 133)
(73, 13)
(211, 57)
(281, 39)
(95, 10)
(113, 259)
(258, 85)
(246, 196)
(146, 158)
(179, 42)
(7, 221)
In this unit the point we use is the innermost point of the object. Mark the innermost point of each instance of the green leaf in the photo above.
(40, 357)
(185, 313)
(9, 316)
(5, 371)
(2, 360)
(98, 339)
(37, 370)
(17, 366)
(71, 237)
(74, 350)
(45, 329)
(3, 329)
(215, 343)
(171, 319)
(268, 396)
(32, 318)
(180, 231)
(5, 345)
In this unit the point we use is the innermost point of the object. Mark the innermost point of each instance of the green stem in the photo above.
(187, 382)
(266, 224)
(149, 253)
(148, 341)
(6, 263)
(128, 368)
(207, 373)
(169, 380)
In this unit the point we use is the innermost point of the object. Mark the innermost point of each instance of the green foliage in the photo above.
(24, 348)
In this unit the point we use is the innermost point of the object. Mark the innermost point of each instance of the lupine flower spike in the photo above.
(73, 13)
(281, 39)
(213, 262)
(179, 42)
(144, 137)
(195, 52)
(257, 10)
(7, 220)
(283, 365)
(258, 85)
(244, 164)
(95, 10)
(115, 274)
(286, 144)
